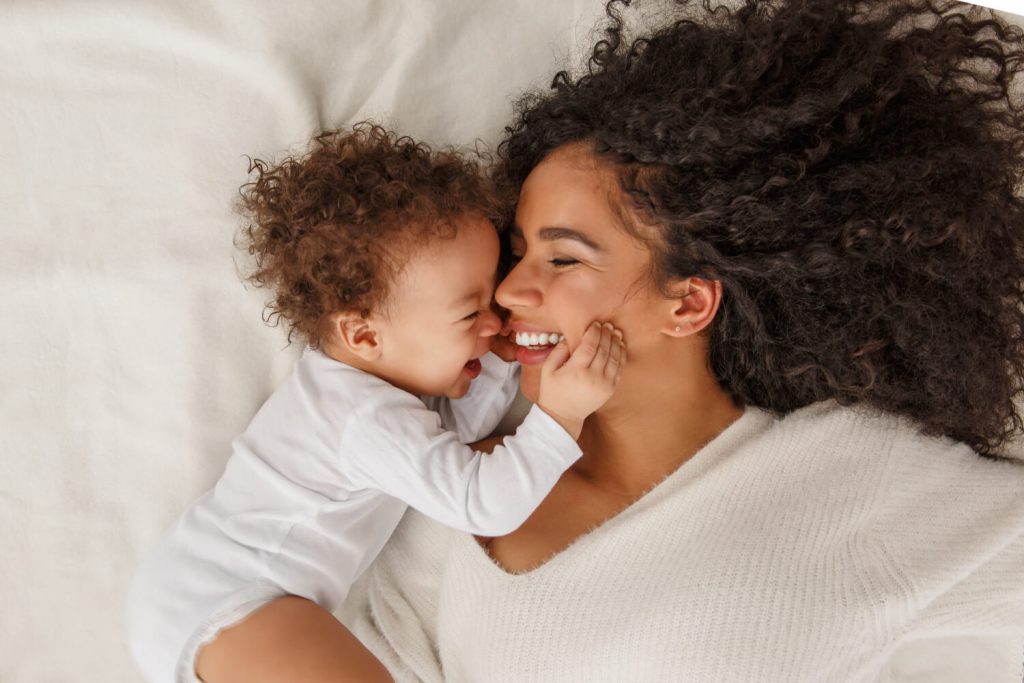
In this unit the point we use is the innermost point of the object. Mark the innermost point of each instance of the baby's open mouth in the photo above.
(537, 340)
(473, 367)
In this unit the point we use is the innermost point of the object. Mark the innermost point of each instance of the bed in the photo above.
(132, 352)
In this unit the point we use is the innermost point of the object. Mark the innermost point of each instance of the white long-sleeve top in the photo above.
(314, 487)
(809, 549)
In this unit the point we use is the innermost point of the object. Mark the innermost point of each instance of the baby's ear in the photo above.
(355, 333)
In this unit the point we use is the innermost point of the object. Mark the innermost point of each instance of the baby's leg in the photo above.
(290, 640)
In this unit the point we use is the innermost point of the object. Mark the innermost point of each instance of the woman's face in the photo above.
(574, 263)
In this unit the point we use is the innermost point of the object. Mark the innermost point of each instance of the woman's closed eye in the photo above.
(556, 262)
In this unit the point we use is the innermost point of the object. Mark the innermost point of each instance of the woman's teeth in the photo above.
(533, 339)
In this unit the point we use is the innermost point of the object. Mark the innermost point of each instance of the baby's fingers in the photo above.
(584, 354)
(555, 359)
(616, 358)
(604, 347)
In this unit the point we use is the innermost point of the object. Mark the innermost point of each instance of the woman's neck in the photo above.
(640, 436)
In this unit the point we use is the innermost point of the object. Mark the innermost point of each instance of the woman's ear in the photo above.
(355, 334)
(692, 307)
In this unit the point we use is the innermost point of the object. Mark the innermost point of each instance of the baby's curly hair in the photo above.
(848, 169)
(329, 230)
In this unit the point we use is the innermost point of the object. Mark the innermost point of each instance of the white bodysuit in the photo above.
(315, 486)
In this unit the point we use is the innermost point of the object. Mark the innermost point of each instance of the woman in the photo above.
(803, 217)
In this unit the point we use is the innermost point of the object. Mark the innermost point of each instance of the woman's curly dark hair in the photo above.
(330, 229)
(848, 170)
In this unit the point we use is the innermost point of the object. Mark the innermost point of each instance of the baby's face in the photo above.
(441, 319)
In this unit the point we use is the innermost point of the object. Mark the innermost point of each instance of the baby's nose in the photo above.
(490, 324)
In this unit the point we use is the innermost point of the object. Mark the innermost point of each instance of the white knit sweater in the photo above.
(802, 549)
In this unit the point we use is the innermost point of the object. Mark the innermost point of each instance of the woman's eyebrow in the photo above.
(551, 234)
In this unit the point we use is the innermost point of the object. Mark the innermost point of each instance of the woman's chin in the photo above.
(529, 382)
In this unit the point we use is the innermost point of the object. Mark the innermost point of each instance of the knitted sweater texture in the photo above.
(802, 548)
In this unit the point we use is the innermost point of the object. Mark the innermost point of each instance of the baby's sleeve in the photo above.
(477, 414)
(404, 451)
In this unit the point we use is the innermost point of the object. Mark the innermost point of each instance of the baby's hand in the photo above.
(572, 389)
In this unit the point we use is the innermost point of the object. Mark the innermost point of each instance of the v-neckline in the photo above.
(751, 422)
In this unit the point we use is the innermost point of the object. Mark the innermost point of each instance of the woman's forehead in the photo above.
(573, 188)
(566, 188)
(576, 159)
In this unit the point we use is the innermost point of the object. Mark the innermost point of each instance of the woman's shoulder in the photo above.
(936, 518)
(860, 427)
(948, 521)
(921, 494)
(918, 474)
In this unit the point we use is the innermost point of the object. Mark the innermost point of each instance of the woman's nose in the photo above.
(515, 290)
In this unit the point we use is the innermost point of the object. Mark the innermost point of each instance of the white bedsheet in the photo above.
(131, 353)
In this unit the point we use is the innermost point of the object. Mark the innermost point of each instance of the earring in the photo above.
(678, 328)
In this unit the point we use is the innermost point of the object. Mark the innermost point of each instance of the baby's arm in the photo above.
(404, 451)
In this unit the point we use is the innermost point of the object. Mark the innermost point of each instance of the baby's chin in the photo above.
(457, 392)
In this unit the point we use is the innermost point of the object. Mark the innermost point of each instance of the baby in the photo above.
(382, 258)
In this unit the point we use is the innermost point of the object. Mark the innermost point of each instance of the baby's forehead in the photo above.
(449, 272)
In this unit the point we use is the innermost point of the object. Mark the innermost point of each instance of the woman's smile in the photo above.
(534, 339)
(533, 343)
